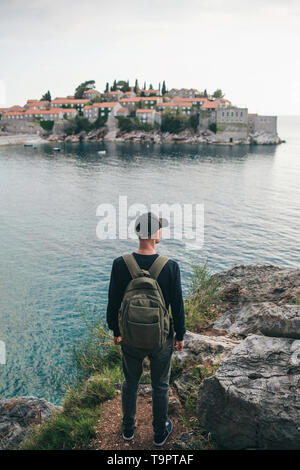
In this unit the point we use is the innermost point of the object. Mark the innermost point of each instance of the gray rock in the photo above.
(255, 283)
(18, 415)
(253, 400)
(202, 348)
(264, 318)
(186, 441)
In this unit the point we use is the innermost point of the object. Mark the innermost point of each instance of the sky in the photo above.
(248, 48)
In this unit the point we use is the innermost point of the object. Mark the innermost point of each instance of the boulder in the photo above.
(265, 318)
(18, 415)
(253, 400)
(259, 283)
(259, 299)
(202, 348)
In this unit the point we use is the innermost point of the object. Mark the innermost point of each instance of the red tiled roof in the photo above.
(149, 91)
(40, 111)
(122, 110)
(13, 113)
(210, 105)
(130, 100)
(172, 104)
(142, 111)
(197, 100)
(105, 104)
(147, 98)
(69, 101)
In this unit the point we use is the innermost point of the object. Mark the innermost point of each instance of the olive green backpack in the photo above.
(143, 317)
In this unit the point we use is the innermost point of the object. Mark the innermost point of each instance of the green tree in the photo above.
(123, 85)
(47, 125)
(101, 120)
(136, 87)
(218, 93)
(106, 88)
(144, 85)
(213, 127)
(173, 123)
(150, 86)
(205, 93)
(46, 96)
(194, 121)
(164, 88)
(82, 88)
(114, 87)
(125, 124)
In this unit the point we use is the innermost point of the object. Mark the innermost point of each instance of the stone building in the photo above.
(231, 124)
(52, 114)
(91, 94)
(262, 124)
(91, 112)
(146, 115)
(184, 92)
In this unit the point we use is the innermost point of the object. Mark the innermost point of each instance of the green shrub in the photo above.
(47, 125)
(77, 125)
(64, 431)
(193, 122)
(95, 352)
(213, 127)
(125, 124)
(201, 305)
(173, 123)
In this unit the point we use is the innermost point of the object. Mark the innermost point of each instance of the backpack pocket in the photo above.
(143, 314)
(144, 335)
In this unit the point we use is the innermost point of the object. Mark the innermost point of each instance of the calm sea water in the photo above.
(53, 267)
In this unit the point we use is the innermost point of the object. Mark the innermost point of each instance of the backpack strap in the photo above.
(157, 266)
(133, 267)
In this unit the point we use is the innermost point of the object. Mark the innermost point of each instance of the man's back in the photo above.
(168, 279)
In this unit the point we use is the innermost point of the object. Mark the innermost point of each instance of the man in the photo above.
(148, 228)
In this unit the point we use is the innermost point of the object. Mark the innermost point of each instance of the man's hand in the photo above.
(117, 340)
(178, 345)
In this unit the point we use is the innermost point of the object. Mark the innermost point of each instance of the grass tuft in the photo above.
(201, 306)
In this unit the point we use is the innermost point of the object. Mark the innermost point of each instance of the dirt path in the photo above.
(108, 428)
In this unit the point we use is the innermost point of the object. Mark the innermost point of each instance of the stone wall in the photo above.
(13, 126)
(267, 124)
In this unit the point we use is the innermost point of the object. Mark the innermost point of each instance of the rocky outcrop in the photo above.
(205, 349)
(264, 318)
(18, 415)
(264, 138)
(259, 299)
(253, 400)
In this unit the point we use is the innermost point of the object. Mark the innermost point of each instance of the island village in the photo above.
(132, 113)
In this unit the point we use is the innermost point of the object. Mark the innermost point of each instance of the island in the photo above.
(125, 113)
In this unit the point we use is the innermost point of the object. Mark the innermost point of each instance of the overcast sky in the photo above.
(250, 49)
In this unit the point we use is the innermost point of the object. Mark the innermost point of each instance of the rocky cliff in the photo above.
(253, 399)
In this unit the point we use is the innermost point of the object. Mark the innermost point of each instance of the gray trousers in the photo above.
(160, 360)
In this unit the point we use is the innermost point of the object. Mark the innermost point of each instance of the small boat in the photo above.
(56, 149)
(28, 145)
(102, 152)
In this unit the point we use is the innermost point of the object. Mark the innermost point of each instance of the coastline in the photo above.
(184, 137)
(19, 139)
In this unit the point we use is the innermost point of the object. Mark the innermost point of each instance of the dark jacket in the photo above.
(169, 281)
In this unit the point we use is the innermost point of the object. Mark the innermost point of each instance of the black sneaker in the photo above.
(128, 433)
(160, 439)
